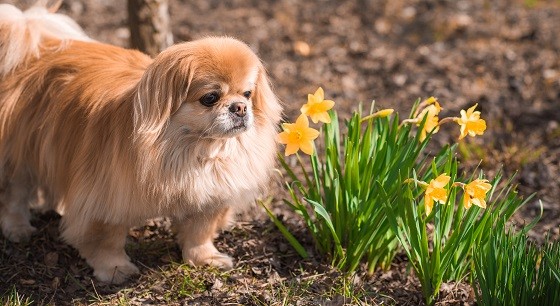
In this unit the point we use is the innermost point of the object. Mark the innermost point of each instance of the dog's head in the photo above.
(212, 88)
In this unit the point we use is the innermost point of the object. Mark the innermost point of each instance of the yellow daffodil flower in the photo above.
(475, 193)
(436, 191)
(471, 123)
(432, 121)
(317, 107)
(298, 136)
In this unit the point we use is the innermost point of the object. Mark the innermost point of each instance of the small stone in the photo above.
(302, 48)
(400, 79)
(51, 259)
(55, 283)
(217, 284)
(27, 281)
(382, 26)
(408, 13)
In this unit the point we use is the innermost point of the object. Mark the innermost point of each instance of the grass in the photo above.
(13, 298)
(177, 283)
(511, 270)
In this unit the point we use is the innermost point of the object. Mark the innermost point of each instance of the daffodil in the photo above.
(471, 123)
(436, 191)
(475, 193)
(298, 136)
(432, 121)
(316, 107)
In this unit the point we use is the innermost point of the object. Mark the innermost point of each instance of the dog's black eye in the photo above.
(210, 99)
(247, 94)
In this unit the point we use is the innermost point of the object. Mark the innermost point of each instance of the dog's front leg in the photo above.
(195, 234)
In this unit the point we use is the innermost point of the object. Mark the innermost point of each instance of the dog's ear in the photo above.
(161, 91)
(265, 102)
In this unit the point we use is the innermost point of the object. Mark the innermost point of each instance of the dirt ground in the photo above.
(503, 54)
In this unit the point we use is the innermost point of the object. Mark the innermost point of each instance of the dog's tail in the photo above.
(22, 33)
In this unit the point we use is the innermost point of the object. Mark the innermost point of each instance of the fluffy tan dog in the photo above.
(114, 137)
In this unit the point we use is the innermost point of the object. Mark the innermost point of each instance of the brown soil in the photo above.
(503, 54)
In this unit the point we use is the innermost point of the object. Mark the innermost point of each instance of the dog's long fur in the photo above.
(113, 137)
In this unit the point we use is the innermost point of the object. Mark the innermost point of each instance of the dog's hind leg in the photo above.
(15, 197)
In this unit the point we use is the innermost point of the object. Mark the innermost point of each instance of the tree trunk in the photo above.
(149, 25)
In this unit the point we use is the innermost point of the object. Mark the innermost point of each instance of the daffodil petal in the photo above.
(466, 201)
(301, 122)
(438, 107)
(305, 109)
(463, 131)
(430, 100)
(442, 180)
(471, 109)
(323, 117)
(464, 117)
(310, 133)
(287, 126)
(312, 100)
(291, 148)
(479, 202)
(307, 147)
(428, 204)
(319, 94)
(326, 105)
(314, 117)
(284, 138)
(422, 135)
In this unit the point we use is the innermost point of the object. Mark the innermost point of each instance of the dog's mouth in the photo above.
(238, 128)
(229, 127)
(239, 124)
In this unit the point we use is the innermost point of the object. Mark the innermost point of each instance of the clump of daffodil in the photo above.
(471, 123)
(298, 136)
(436, 191)
(475, 193)
(317, 107)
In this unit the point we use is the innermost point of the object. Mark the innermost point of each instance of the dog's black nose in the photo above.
(238, 108)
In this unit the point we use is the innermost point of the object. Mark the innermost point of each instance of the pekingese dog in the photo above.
(113, 137)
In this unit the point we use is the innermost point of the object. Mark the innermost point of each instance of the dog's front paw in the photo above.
(206, 254)
(115, 273)
(18, 232)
